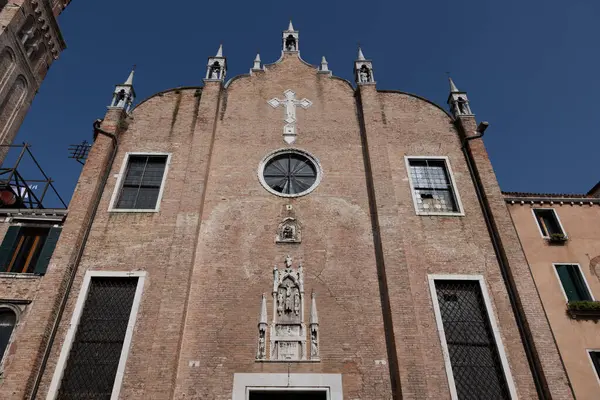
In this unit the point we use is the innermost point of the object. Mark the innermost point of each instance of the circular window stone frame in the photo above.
(263, 163)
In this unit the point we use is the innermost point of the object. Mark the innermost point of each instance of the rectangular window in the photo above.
(92, 360)
(476, 368)
(27, 249)
(573, 282)
(548, 222)
(141, 184)
(595, 357)
(431, 183)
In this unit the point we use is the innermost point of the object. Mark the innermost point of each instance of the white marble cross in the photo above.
(290, 103)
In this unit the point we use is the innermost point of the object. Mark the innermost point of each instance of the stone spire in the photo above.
(263, 311)
(124, 95)
(458, 101)
(361, 56)
(314, 317)
(216, 68)
(290, 39)
(453, 88)
(256, 66)
(363, 69)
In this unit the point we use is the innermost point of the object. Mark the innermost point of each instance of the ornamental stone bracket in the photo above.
(287, 331)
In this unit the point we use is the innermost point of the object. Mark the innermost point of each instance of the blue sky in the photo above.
(530, 67)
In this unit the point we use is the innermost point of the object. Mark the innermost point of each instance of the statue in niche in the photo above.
(290, 43)
(280, 302)
(296, 303)
(314, 344)
(288, 232)
(262, 352)
(463, 106)
(288, 300)
(215, 70)
(364, 74)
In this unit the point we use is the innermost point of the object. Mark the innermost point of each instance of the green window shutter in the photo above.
(8, 246)
(47, 250)
(572, 282)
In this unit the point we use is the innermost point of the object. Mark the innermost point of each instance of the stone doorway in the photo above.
(288, 395)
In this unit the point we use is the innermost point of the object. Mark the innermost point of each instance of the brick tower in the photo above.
(285, 234)
(30, 41)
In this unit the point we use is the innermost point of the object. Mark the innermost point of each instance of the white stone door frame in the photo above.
(244, 384)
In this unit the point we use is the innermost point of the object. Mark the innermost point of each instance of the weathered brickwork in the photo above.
(209, 251)
(573, 337)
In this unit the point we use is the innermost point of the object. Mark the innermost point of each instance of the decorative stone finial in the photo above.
(453, 88)
(290, 26)
(361, 56)
(256, 66)
(220, 51)
(324, 66)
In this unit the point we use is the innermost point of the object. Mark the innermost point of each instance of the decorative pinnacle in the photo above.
(263, 310)
(453, 88)
(361, 56)
(129, 80)
(220, 51)
(324, 64)
(256, 62)
(314, 317)
(291, 27)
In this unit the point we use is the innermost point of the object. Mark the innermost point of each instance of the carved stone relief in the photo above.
(287, 331)
(289, 231)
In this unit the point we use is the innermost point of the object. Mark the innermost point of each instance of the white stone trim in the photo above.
(538, 224)
(66, 348)
(460, 212)
(121, 176)
(492, 319)
(588, 351)
(18, 312)
(244, 383)
(554, 265)
(268, 157)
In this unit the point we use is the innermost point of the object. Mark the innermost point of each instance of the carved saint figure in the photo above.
(288, 300)
(287, 233)
(314, 346)
(364, 75)
(290, 43)
(261, 346)
(120, 98)
(296, 303)
(280, 302)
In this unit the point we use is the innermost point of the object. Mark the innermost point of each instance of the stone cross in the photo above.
(290, 102)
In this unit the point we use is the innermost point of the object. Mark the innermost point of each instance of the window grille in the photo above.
(474, 357)
(96, 349)
(433, 190)
(548, 221)
(573, 282)
(142, 182)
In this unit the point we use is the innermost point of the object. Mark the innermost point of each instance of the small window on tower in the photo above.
(140, 185)
(432, 187)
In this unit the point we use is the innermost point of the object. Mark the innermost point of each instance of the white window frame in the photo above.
(460, 212)
(119, 185)
(596, 373)
(554, 265)
(68, 343)
(491, 318)
(245, 383)
(555, 216)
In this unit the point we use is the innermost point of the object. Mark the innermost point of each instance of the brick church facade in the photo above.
(283, 234)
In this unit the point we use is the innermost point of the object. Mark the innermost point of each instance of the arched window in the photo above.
(8, 320)
(7, 64)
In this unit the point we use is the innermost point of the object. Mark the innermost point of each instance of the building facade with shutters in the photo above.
(559, 234)
(284, 234)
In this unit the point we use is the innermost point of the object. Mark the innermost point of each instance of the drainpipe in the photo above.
(88, 228)
(539, 379)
